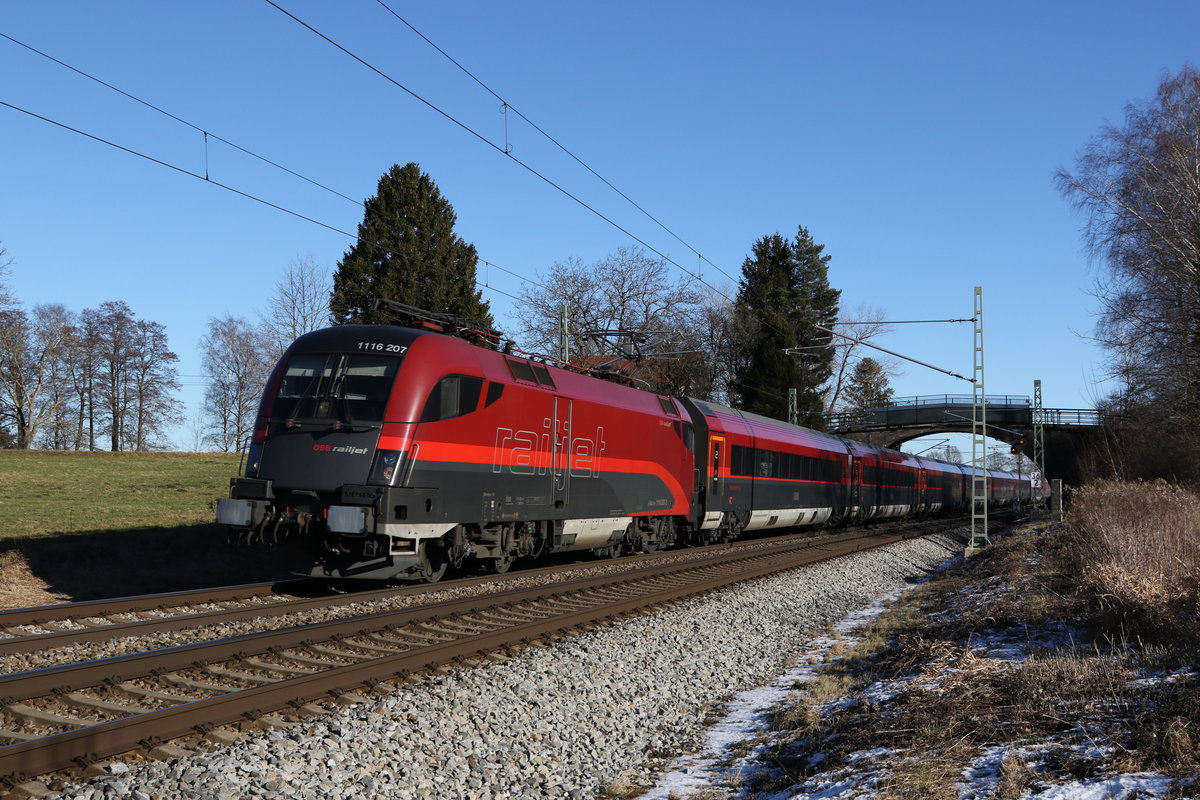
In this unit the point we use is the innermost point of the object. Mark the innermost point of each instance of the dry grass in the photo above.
(1016, 776)
(929, 778)
(1136, 548)
(19, 587)
(955, 702)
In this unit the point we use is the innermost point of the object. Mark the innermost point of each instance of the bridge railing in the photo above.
(955, 410)
(1008, 400)
(1073, 416)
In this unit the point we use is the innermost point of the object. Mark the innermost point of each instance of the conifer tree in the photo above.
(868, 387)
(407, 251)
(785, 294)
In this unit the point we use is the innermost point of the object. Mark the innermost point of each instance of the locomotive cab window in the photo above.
(495, 392)
(453, 396)
(343, 387)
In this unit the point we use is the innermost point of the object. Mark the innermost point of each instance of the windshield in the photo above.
(350, 387)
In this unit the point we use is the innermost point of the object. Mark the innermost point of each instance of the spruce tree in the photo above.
(407, 251)
(868, 387)
(785, 293)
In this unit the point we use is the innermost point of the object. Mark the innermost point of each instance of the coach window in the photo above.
(453, 396)
(742, 461)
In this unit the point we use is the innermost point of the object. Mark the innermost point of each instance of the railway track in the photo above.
(75, 714)
(45, 629)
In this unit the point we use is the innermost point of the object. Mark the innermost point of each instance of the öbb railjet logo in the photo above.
(341, 448)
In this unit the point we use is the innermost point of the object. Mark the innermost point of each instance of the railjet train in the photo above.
(399, 451)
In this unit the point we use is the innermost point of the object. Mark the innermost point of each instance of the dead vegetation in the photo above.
(1060, 654)
(20, 587)
(1136, 547)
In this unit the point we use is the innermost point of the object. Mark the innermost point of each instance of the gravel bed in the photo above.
(90, 651)
(599, 711)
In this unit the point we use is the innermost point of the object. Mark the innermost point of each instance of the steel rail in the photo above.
(70, 677)
(37, 642)
(45, 641)
(57, 751)
(57, 612)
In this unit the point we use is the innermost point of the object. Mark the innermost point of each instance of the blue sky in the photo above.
(916, 141)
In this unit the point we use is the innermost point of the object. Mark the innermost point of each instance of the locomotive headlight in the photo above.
(386, 469)
(254, 459)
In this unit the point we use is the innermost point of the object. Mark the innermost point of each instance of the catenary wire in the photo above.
(550, 138)
(209, 134)
(177, 168)
(197, 128)
(246, 195)
(496, 147)
(283, 209)
(236, 191)
(506, 152)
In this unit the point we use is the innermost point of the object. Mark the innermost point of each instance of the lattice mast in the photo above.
(1039, 434)
(979, 503)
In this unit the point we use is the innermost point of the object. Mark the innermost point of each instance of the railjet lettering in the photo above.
(341, 448)
(529, 453)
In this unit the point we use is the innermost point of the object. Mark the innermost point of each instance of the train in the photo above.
(401, 451)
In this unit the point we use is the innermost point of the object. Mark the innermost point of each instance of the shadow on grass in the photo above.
(97, 564)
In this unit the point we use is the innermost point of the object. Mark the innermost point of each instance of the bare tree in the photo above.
(130, 394)
(626, 304)
(300, 304)
(1139, 187)
(32, 353)
(83, 368)
(625, 291)
(7, 300)
(949, 453)
(195, 429)
(237, 359)
(863, 324)
(153, 381)
(57, 430)
(112, 324)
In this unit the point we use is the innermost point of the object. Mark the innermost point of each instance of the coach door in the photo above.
(560, 455)
(856, 476)
(716, 481)
(922, 490)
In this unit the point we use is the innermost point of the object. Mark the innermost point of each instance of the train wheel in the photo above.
(495, 566)
(731, 528)
(434, 563)
(500, 564)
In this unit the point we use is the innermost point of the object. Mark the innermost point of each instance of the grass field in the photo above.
(49, 492)
(83, 525)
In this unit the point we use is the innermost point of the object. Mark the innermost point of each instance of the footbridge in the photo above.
(1009, 418)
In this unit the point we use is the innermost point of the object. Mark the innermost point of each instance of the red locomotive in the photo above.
(398, 452)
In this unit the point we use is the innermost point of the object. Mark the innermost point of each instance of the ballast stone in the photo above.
(561, 721)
